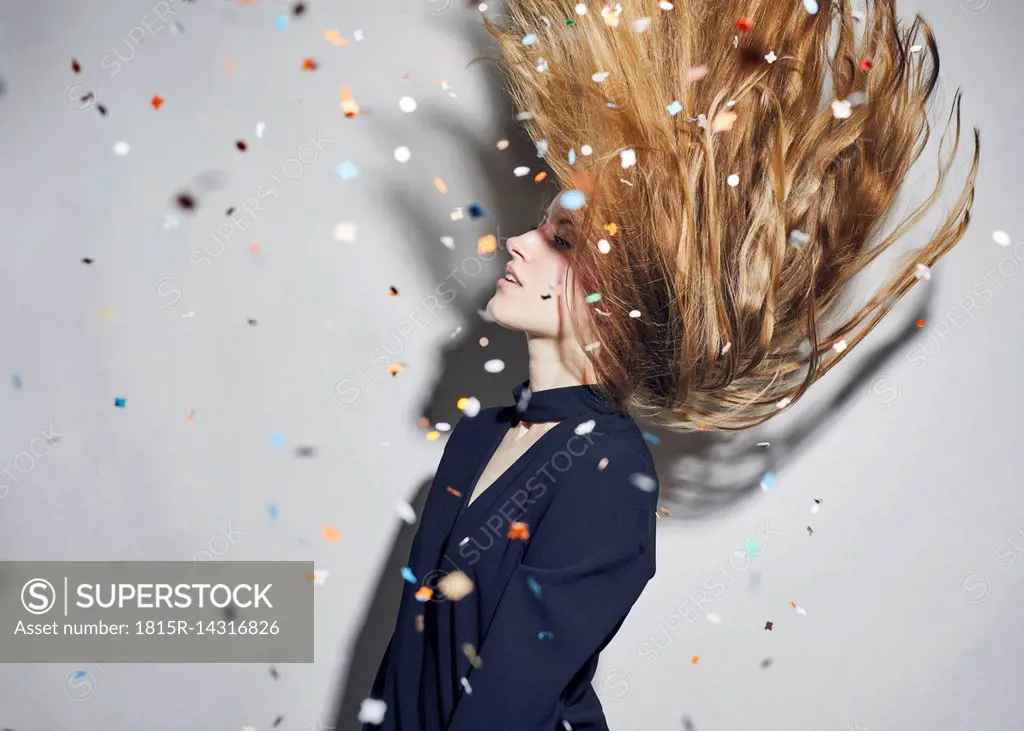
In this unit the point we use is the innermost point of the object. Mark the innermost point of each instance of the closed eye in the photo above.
(560, 243)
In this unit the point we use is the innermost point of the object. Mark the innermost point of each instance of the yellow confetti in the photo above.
(502, 144)
(334, 37)
(486, 244)
(433, 436)
(611, 228)
(461, 403)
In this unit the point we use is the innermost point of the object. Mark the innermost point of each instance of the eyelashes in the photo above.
(561, 244)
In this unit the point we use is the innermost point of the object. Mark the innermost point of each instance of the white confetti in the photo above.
(665, 5)
(627, 158)
(643, 482)
(1001, 237)
(358, 35)
(402, 154)
(591, 346)
(841, 108)
(641, 24)
(188, 315)
(585, 428)
(261, 127)
(581, 9)
(600, 76)
(345, 232)
(733, 180)
(784, 403)
(443, 426)
(406, 512)
(586, 150)
(915, 49)
(921, 271)
(798, 238)
(801, 611)
(634, 314)
(170, 221)
(542, 65)
(372, 711)
(542, 148)
(465, 684)
(764, 445)
(603, 246)
(816, 507)
(407, 104)
(121, 148)
(603, 463)
(726, 348)
(840, 346)
(770, 57)
(448, 241)
(495, 365)
(320, 576)
(472, 407)
(521, 171)
(713, 618)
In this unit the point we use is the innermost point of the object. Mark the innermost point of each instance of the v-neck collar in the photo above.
(555, 404)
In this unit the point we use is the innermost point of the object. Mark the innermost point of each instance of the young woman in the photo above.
(718, 199)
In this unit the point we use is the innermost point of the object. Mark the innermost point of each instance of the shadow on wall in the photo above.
(701, 474)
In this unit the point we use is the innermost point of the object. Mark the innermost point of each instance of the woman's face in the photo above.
(534, 302)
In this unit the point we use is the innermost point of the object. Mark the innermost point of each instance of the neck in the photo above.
(555, 364)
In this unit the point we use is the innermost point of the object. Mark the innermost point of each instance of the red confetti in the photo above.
(157, 101)
(519, 531)
(242, 146)
(919, 323)
(866, 64)
(309, 64)
(743, 25)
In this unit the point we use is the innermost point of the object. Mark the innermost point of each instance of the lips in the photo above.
(512, 273)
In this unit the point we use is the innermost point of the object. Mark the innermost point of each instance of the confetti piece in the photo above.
(272, 511)
(713, 618)
(157, 101)
(229, 66)
(572, 156)
(277, 439)
(453, 491)
(334, 37)
(518, 531)
(319, 576)
(309, 64)
(603, 246)
(119, 402)
(810, 531)
(799, 610)
(919, 323)
(348, 171)
(408, 575)
(191, 416)
(348, 103)
(817, 505)
(603, 463)
(766, 663)
(330, 533)
(643, 481)
(260, 128)
(455, 586)
(798, 238)
(471, 406)
(486, 244)
(372, 711)
(840, 346)
(345, 232)
(253, 322)
(281, 22)
(783, 403)
(770, 57)
(406, 512)
(572, 200)
(424, 593)
(395, 368)
(811, 6)
(87, 260)
(470, 652)
(402, 154)
(274, 674)
(448, 241)
(1001, 237)
(744, 24)
(585, 428)
(407, 104)
(121, 148)
(651, 438)
(442, 188)
(733, 180)
(694, 659)
(502, 144)
(841, 108)
(466, 686)
(16, 380)
(640, 25)
(495, 365)
(674, 108)
(866, 64)
(521, 171)
(542, 65)
(545, 635)
(723, 121)
(768, 481)
(534, 586)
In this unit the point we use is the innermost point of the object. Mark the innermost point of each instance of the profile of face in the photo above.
(531, 294)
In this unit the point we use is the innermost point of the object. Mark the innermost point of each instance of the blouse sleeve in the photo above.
(581, 573)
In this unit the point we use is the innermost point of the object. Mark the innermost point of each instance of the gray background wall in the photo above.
(910, 581)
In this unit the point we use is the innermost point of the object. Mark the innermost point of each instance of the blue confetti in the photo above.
(529, 39)
(544, 635)
(119, 403)
(281, 22)
(16, 380)
(651, 438)
(534, 586)
(572, 200)
(272, 511)
(811, 6)
(348, 171)
(572, 156)
(408, 575)
(768, 481)
(674, 108)
(80, 674)
(277, 439)
(476, 210)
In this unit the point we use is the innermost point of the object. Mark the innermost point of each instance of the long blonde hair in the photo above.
(758, 190)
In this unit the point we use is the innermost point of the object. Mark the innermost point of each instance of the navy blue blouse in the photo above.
(559, 548)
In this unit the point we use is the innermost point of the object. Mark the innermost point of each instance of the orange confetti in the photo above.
(442, 188)
(723, 121)
(334, 37)
(695, 659)
(453, 491)
(309, 64)
(419, 622)
(919, 323)
(541, 176)
(611, 228)
(393, 292)
(330, 533)
(518, 531)
(157, 101)
(395, 368)
(254, 249)
(744, 24)
(424, 593)
(423, 422)
(348, 104)
(486, 244)
(793, 604)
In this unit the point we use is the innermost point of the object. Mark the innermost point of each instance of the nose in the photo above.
(520, 246)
